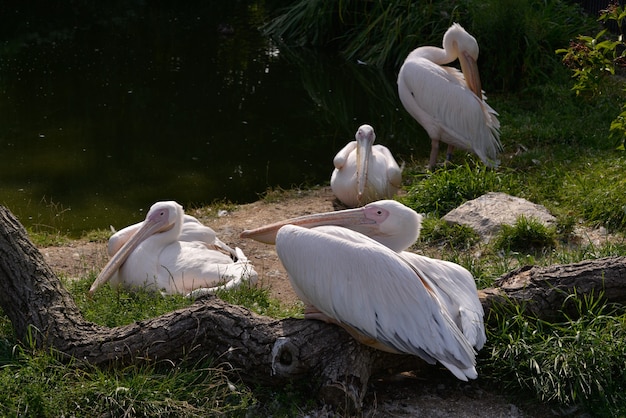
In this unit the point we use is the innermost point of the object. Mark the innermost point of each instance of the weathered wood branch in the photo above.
(545, 292)
(260, 349)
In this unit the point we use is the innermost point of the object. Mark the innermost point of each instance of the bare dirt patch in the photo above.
(438, 395)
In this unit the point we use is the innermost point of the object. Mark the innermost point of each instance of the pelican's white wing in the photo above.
(439, 99)
(185, 266)
(117, 240)
(369, 287)
(342, 156)
(457, 292)
(232, 276)
(194, 231)
(386, 174)
(394, 171)
(343, 180)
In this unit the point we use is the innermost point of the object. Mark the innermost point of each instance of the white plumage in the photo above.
(385, 297)
(450, 104)
(364, 172)
(173, 253)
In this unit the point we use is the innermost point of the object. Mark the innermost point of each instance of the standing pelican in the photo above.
(450, 105)
(364, 172)
(173, 253)
(351, 268)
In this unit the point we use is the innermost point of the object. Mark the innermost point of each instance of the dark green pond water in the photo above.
(106, 111)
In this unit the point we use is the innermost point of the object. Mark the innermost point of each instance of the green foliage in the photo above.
(383, 33)
(38, 384)
(97, 235)
(596, 190)
(535, 130)
(114, 308)
(562, 158)
(578, 361)
(444, 190)
(618, 128)
(305, 23)
(516, 38)
(526, 235)
(258, 300)
(593, 59)
(47, 238)
(440, 233)
(378, 33)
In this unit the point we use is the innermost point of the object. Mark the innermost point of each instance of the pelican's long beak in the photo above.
(469, 67)
(267, 234)
(148, 228)
(363, 153)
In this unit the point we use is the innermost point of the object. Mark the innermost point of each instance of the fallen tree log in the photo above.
(260, 350)
(545, 292)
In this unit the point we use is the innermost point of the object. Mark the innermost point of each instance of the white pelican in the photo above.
(364, 172)
(173, 253)
(450, 105)
(362, 279)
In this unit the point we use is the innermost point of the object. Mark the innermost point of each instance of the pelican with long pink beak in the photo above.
(173, 253)
(364, 172)
(448, 103)
(351, 268)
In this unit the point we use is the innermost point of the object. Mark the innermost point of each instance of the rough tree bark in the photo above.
(544, 291)
(259, 349)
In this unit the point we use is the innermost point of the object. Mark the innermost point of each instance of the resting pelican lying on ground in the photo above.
(365, 172)
(173, 253)
(362, 279)
(450, 105)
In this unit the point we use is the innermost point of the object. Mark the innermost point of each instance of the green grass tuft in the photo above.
(527, 235)
(578, 361)
(36, 383)
(112, 308)
(439, 233)
(258, 299)
(441, 191)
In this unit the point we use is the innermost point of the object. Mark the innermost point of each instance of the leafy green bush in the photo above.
(593, 59)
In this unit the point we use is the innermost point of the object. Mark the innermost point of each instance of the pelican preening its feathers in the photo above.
(364, 172)
(449, 104)
(173, 253)
(350, 267)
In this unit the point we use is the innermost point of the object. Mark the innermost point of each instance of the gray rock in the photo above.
(489, 212)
